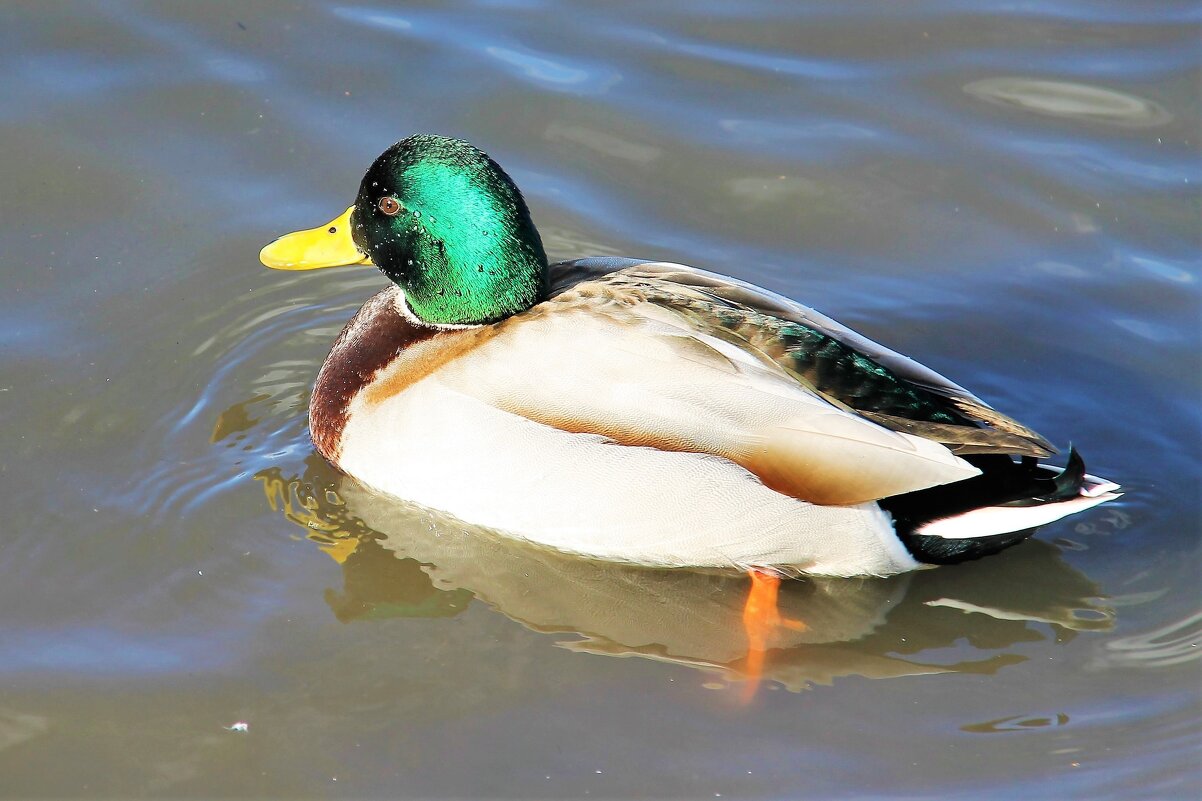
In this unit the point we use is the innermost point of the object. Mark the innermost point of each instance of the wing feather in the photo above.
(846, 368)
(591, 362)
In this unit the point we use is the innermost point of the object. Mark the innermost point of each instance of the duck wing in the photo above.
(619, 357)
(844, 367)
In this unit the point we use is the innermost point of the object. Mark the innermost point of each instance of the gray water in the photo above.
(1006, 191)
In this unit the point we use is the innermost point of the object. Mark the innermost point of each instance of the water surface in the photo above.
(1005, 191)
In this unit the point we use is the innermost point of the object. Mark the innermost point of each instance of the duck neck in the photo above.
(463, 285)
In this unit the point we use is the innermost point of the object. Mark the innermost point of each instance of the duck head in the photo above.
(445, 223)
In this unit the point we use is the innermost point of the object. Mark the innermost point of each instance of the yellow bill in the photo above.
(328, 245)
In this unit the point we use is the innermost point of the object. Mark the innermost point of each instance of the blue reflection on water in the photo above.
(101, 651)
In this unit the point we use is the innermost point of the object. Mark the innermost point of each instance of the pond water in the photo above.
(1006, 191)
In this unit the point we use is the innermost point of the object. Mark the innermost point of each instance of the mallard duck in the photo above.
(645, 412)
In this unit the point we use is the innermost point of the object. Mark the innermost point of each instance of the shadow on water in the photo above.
(399, 560)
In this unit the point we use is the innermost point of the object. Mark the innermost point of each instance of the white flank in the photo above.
(580, 493)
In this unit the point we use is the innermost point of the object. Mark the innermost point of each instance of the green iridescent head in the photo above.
(444, 222)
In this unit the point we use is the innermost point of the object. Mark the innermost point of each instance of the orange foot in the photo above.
(761, 619)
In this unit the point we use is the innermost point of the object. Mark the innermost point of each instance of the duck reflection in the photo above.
(403, 561)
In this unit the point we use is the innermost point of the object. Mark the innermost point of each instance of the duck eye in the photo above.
(389, 206)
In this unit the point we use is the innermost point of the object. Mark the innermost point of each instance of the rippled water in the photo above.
(1007, 191)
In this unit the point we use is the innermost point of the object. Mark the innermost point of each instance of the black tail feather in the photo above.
(1003, 482)
(1070, 480)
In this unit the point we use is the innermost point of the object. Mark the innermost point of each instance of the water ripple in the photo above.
(1172, 644)
(554, 73)
(264, 354)
(1071, 100)
(559, 72)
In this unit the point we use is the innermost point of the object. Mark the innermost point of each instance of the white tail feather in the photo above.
(992, 520)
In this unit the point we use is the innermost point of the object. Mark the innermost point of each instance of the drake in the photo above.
(645, 412)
